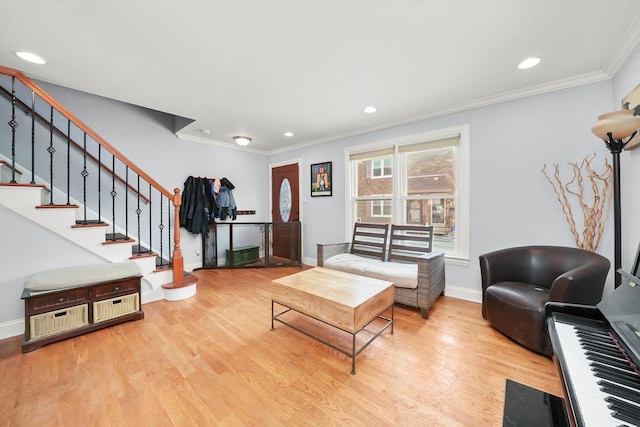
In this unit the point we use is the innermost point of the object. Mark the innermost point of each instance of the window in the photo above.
(381, 208)
(381, 168)
(372, 192)
(419, 179)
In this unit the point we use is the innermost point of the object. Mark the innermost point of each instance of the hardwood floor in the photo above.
(212, 360)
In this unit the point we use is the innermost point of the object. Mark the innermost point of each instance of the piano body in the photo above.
(597, 350)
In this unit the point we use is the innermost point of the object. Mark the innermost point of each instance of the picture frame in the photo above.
(321, 180)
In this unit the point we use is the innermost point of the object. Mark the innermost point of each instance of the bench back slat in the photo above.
(407, 242)
(369, 240)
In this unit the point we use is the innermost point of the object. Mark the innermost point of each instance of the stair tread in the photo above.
(14, 184)
(89, 224)
(187, 281)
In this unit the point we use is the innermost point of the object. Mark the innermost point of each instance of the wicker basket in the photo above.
(54, 322)
(115, 307)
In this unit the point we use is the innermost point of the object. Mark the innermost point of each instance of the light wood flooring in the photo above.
(212, 360)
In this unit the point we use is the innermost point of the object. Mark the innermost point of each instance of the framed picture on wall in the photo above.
(321, 183)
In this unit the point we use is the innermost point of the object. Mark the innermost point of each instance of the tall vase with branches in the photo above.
(591, 192)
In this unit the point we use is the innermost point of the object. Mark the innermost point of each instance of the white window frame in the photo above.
(462, 219)
(381, 168)
(381, 203)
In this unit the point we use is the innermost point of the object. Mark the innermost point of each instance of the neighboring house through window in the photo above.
(417, 179)
(381, 208)
(381, 168)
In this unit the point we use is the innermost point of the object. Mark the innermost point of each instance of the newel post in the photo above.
(177, 261)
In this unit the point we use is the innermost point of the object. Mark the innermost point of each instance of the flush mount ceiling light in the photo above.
(528, 63)
(288, 134)
(370, 110)
(31, 57)
(242, 140)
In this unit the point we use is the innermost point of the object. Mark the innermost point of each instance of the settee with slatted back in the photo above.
(401, 254)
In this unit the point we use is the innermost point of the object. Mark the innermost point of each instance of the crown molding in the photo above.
(553, 86)
(628, 44)
(580, 80)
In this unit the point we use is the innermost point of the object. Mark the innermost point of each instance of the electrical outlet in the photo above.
(196, 252)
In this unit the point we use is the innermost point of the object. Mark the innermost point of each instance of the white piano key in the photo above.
(590, 399)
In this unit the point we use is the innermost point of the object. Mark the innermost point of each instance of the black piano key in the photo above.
(626, 418)
(604, 347)
(623, 409)
(618, 374)
(607, 366)
(626, 380)
(623, 381)
(603, 338)
(610, 351)
(594, 328)
(608, 360)
(620, 391)
(599, 344)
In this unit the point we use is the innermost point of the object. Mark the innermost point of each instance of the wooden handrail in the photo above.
(175, 197)
(74, 143)
(83, 127)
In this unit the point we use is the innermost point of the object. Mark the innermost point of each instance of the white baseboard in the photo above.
(12, 328)
(466, 294)
(190, 267)
(151, 296)
(309, 261)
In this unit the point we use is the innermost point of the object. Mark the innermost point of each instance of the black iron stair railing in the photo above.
(78, 172)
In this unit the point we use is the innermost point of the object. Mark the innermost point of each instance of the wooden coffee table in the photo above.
(345, 301)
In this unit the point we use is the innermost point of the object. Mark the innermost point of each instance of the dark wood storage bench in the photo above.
(65, 303)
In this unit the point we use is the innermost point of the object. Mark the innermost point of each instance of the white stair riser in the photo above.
(24, 199)
(147, 264)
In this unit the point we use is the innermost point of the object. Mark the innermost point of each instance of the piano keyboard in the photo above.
(603, 383)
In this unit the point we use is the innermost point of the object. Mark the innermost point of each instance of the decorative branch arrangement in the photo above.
(595, 207)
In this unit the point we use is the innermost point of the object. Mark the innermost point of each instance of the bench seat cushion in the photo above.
(72, 277)
(349, 263)
(401, 274)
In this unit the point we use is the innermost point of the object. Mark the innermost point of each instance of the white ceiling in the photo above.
(261, 68)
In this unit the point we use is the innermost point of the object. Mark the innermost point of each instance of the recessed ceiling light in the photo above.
(370, 110)
(528, 63)
(31, 57)
(288, 134)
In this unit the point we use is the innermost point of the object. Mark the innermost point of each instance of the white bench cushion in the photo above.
(350, 263)
(402, 275)
(73, 277)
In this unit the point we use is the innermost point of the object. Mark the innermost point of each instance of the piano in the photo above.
(597, 350)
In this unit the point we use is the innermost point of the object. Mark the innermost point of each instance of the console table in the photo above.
(253, 244)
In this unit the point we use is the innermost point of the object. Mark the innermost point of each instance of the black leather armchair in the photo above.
(518, 282)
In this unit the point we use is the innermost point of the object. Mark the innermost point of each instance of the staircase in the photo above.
(110, 207)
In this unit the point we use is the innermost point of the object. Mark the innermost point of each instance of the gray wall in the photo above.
(511, 202)
(624, 82)
(145, 137)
